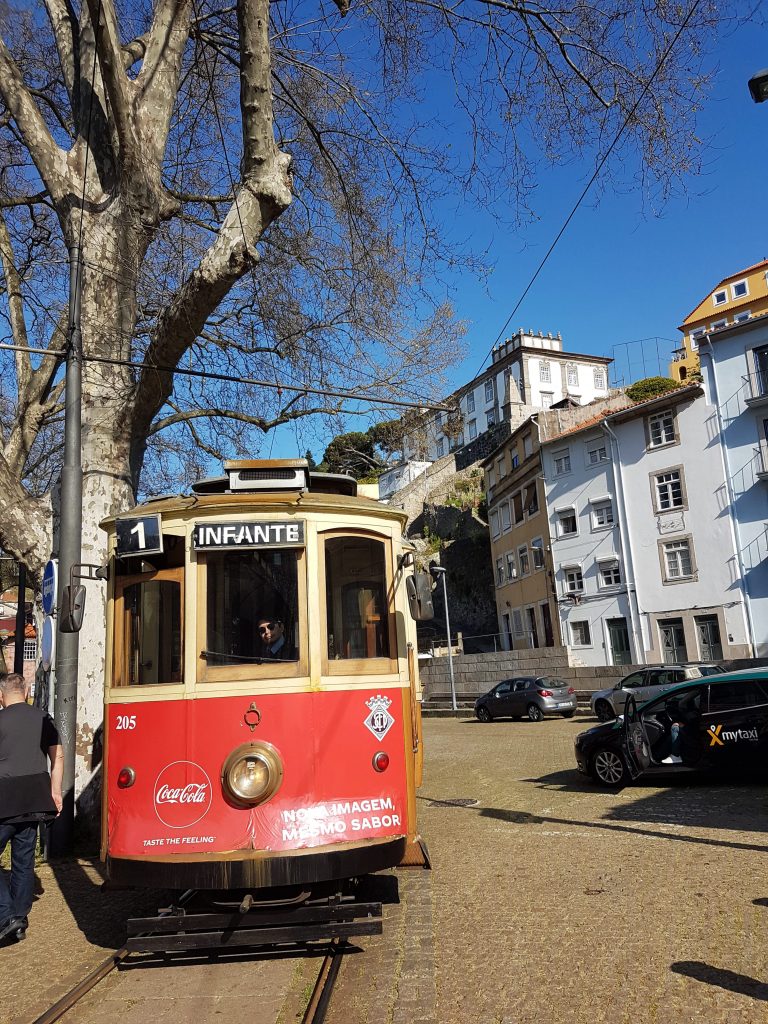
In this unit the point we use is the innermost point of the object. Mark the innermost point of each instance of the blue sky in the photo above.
(620, 274)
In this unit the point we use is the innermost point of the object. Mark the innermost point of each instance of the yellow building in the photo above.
(736, 298)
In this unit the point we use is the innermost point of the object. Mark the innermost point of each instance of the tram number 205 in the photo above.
(126, 722)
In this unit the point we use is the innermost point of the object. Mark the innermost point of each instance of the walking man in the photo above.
(28, 795)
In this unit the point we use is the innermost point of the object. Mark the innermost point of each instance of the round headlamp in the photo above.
(252, 773)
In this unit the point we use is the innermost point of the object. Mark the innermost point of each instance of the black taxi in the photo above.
(716, 723)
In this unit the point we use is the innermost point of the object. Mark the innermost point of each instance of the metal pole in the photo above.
(21, 620)
(450, 652)
(70, 539)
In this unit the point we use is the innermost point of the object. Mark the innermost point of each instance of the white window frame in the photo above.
(471, 401)
(595, 446)
(667, 488)
(719, 298)
(576, 642)
(506, 517)
(611, 565)
(742, 295)
(696, 336)
(662, 417)
(598, 506)
(511, 566)
(572, 375)
(667, 564)
(717, 324)
(545, 372)
(563, 457)
(537, 549)
(501, 466)
(489, 395)
(523, 561)
(500, 580)
(527, 446)
(547, 398)
(30, 649)
(561, 513)
(472, 426)
(598, 377)
(573, 579)
(490, 419)
(742, 317)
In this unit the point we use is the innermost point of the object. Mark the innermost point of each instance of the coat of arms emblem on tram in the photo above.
(379, 721)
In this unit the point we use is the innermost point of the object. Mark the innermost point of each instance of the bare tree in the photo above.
(257, 190)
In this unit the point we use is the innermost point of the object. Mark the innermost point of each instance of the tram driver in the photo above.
(276, 645)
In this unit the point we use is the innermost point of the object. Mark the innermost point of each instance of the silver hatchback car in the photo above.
(532, 697)
(645, 684)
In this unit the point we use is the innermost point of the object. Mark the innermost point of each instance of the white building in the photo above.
(528, 372)
(643, 545)
(734, 363)
(399, 476)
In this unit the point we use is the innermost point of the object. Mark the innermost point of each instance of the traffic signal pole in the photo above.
(70, 541)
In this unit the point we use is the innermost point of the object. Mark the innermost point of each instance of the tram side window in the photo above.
(153, 632)
(356, 598)
(252, 607)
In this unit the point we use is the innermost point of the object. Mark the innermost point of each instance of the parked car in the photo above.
(721, 720)
(532, 696)
(645, 684)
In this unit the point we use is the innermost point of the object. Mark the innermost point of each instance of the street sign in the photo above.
(50, 586)
(140, 536)
(48, 647)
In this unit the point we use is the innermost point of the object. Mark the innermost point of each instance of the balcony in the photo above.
(679, 354)
(760, 461)
(756, 389)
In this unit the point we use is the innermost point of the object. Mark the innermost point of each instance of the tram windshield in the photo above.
(252, 607)
(356, 598)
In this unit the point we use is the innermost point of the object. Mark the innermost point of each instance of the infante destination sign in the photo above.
(210, 536)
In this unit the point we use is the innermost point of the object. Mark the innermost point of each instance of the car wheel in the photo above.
(535, 713)
(608, 767)
(604, 711)
(483, 714)
(568, 714)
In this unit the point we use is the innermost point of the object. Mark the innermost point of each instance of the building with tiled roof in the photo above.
(735, 299)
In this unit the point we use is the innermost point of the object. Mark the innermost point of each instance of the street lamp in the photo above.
(439, 571)
(758, 86)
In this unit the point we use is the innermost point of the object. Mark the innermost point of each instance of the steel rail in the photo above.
(326, 979)
(82, 988)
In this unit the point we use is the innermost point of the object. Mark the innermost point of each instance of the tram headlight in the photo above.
(252, 773)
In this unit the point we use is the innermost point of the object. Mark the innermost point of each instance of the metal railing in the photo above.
(756, 384)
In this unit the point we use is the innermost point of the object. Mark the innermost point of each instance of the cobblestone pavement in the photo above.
(554, 901)
(550, 901)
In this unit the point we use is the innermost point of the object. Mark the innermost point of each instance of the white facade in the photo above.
(672, 478)
(734, 362)
(398, 476)
(589, 570)
(528, 372)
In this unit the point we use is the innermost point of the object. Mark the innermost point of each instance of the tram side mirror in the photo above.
(72, 609)
(419, 590)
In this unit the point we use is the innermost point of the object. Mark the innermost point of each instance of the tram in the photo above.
(262, 701)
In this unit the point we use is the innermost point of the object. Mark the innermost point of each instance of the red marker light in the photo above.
(381, 761)
(571, 690)
(125, 778)
(545, 693)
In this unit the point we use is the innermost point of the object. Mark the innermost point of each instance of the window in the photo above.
(500, 467)
(580, 634)
(149, 649)
(545, 372)
(696, 336)
(499, 572)
(440, 448)
(596, 453)
(517, 621)
(668, 487)
(562, 460)
(599, 378)
(531, 500)
(506, 518)
(490, 420)
(610, 573)
(718, 324)
(739, 289)
(472, 429)
(471, 401)
(495, 523)
(547, 399)
(740, 318)
(566, 522)
(537, 551)
(522, 559)
(488, 391)
(515, 461)
(720, 297)
(30, 650)
(517, 502)
(602, 515)
(356, 598)
(661, 429)
(438, 420)
(574, 580)
(678, 564)
(511, 567)
(573, 376)
(527, 446)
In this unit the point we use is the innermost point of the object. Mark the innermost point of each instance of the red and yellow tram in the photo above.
(262, 718)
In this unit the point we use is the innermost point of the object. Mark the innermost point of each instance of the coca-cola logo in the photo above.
(182, 794)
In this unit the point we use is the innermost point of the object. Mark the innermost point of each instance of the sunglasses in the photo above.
(267, 627)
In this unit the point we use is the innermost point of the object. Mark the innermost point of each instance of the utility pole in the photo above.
(70, 539)
(438, 570)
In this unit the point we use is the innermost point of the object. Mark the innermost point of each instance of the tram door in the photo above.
(356, 588)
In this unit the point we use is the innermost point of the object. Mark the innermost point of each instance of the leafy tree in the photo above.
(310, 461)
(651, 387)
(352, 453)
